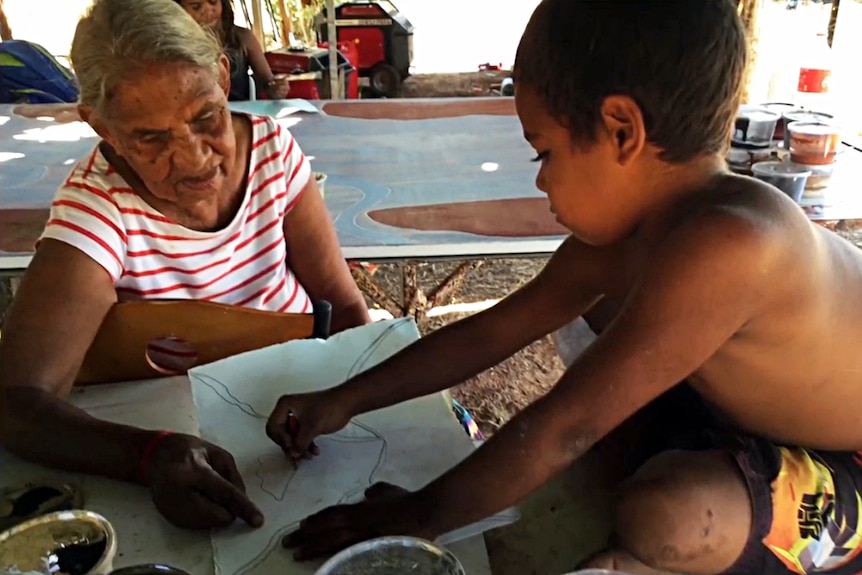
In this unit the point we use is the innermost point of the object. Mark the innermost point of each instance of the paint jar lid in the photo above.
(780, 169)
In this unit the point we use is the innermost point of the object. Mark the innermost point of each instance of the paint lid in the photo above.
(808, 116)
(813, 128)
(817, 171)
(780, 169)
(781, 107)
(757, 113)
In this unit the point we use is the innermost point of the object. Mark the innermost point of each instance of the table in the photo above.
(393, 184)
(413, 179)
(167, 403)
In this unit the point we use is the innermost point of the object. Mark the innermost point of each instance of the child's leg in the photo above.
(743, 506)
(682, 512)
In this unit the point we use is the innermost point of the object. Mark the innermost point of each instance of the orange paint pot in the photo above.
(813, 143)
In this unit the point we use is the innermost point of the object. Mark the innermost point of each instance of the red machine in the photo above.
(351, 54)
(309, 70)
(383, 38)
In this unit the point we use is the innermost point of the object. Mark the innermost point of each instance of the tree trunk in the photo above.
(833, 16)
(749, 12)
(5, 30)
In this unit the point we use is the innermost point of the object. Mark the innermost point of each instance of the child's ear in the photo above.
(624, 126)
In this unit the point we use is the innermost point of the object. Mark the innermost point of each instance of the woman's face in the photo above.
(207, 13)
(173, 127)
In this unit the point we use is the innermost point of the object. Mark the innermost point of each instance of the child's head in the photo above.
(614, 93)
(213, 14)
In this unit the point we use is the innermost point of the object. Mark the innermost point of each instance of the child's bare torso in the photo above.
(793, 372)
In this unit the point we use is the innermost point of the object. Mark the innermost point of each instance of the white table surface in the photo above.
(143, 535)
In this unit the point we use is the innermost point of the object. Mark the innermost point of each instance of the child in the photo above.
(242, 48)
(707, 278)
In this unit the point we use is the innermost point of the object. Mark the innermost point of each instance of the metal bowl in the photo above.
(149, 569)
(393, 556)
(597, 572)
(74, 542)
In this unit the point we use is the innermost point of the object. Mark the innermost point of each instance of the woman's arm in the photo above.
(57, 311)
(263, 76)
(314, 256)
(56, 314)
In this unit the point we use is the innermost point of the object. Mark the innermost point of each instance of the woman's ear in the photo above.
(624, 126)
(98, 124)
(224, 74)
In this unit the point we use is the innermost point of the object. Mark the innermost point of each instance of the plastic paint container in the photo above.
(788, 177)
(819, 178)
(754, 127)
(782, 108)
(740, 160)
(804, 116)
(813, 143)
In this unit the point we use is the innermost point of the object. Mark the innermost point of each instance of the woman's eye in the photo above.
(153, 139)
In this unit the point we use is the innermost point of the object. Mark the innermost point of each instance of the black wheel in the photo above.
(385, 80)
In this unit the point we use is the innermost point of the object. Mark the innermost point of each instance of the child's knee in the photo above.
(678, 513)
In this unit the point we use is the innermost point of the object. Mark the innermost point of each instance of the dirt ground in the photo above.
(494, 396)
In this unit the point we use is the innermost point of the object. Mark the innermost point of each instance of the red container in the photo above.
(305, 86)
(286, 61)
(351, 53)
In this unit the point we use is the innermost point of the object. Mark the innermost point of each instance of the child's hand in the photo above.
(387, 510)
(298, 419)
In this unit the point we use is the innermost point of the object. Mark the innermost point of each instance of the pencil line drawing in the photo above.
(286, 477)
(271, 474)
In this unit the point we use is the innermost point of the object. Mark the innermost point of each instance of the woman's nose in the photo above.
(191, 154)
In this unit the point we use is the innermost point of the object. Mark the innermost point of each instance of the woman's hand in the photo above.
(387, 510)
(196, 485)
(278, 87)
(298, 419)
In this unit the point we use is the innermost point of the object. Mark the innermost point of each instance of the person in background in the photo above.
(181, 199)
(242, 48)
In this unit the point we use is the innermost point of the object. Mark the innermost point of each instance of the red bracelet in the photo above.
(148, 451)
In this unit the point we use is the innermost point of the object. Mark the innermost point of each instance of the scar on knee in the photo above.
(708, 527)
(670, 555)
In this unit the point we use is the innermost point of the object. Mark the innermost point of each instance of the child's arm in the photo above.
(700, 289)
(450, 355)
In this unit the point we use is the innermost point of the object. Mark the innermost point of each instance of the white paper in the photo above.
(408, 444)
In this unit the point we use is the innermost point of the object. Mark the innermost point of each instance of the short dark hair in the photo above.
(681, 61)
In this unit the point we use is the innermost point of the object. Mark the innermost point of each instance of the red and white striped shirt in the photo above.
(149, 256)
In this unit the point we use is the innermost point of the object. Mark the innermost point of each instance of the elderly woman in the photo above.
(180, 199)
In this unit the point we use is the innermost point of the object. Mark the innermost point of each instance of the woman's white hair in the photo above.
(116, 38)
